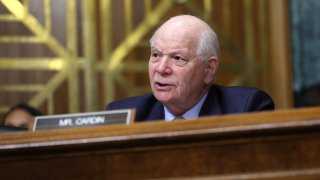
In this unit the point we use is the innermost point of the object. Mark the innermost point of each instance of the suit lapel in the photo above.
(211, 105)
(156, 113)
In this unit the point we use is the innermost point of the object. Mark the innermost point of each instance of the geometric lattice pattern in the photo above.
(101, 50)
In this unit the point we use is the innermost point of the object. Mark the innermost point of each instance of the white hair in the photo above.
(208, 43)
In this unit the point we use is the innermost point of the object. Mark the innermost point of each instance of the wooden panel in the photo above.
(281, 65)
(282, 143)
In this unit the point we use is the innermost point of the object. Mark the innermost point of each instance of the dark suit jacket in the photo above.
(220, 100)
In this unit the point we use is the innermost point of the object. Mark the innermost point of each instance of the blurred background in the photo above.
(69, 56)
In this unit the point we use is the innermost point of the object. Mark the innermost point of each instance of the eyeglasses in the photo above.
(177, 60)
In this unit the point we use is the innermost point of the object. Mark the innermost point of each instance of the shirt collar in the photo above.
(192, 113)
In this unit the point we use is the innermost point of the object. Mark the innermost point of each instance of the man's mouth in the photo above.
(162, 86)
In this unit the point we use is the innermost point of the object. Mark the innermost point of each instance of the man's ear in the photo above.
(211, 69)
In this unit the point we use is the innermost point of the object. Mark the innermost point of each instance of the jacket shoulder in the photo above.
(131, 102)
(243, 99)
(147, 107)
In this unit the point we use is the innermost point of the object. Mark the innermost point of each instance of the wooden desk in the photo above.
(269, 145)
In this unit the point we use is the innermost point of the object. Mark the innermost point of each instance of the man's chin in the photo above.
(163, 97)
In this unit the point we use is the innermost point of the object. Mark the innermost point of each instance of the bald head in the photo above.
(193, 29)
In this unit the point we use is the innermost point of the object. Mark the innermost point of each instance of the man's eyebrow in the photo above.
(155, 49)
(173, 51)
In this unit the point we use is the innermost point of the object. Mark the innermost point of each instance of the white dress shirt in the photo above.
(192, 113)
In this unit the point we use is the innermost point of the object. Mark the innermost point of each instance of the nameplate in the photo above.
(80, 120)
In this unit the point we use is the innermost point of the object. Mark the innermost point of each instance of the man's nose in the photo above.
(164, 65)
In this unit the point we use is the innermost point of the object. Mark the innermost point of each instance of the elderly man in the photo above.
(182, 67)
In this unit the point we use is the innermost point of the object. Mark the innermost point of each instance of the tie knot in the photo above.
(178, 118)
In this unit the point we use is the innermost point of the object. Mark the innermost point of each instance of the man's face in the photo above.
(176, 83)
